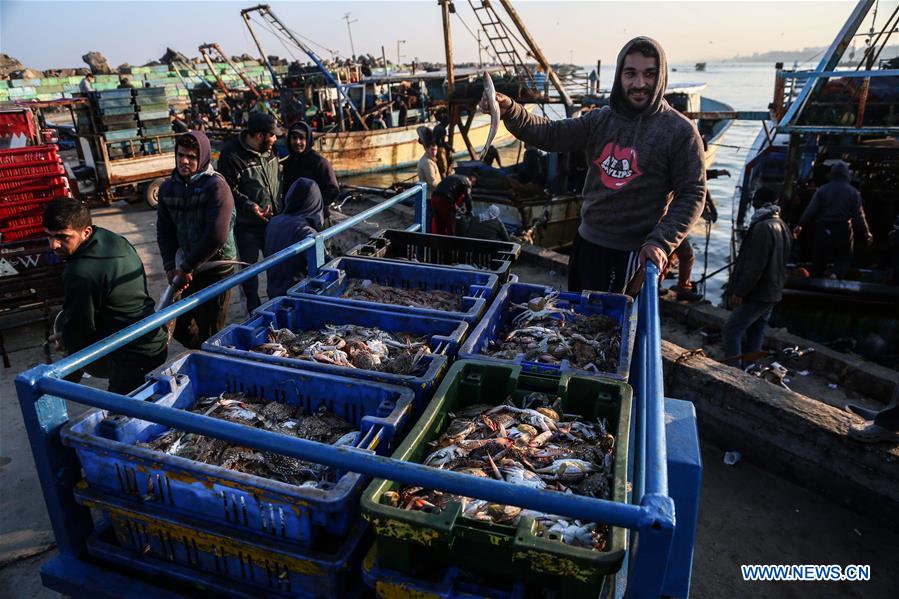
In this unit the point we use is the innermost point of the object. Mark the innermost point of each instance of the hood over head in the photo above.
(205, 152)
(305, 129)
(840, 170)
(304, 198)
(618, 100)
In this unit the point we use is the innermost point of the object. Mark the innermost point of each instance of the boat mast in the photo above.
(266, 12)
(541, 58)
(271, 70)
(204, 49)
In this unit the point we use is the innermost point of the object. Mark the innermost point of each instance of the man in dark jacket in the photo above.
(252, 171)
(452, 195)
(302, 218)
(645, 184)
(305, 162)
(195, 217)
(833, 207)
(757, 282)
(105, 290)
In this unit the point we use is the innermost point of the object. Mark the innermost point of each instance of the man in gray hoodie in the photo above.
(645, 184)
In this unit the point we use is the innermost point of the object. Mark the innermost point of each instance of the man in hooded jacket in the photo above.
(645, 184)
(302, 218)
(833, 207)
(195, 217)
(305, 162)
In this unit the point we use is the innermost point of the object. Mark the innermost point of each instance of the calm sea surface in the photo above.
(744, 87)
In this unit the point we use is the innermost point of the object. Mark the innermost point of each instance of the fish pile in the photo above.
(321, 426)
(531, 444)
(367, 348)
(435, 299)
(548, 334)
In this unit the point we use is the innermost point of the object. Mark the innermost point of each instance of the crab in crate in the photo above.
(540, 308)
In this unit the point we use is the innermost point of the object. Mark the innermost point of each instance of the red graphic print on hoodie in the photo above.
(617, 166)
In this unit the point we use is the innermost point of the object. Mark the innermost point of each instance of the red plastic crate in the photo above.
(27, 183)
(40, 192)
(22, 220)
(33, 168)
(21, 232)
(48, 152)
(10, 209)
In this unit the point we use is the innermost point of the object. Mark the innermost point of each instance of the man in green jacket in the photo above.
(105, 290)
(252, 171)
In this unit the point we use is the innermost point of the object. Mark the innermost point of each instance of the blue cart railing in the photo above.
(42, 394)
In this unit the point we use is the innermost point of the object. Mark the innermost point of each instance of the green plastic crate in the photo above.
(416, 542)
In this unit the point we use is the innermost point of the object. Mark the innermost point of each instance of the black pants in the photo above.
(599, 268)
(833, 242)
(250, 241)
(125, 373)
(204, 321)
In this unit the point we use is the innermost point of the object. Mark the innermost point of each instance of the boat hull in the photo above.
(358, 152)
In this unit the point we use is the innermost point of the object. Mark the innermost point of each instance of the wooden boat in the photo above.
(357, 152)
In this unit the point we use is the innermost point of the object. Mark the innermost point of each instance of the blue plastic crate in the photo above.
(448, 583)
(301, 314)
(157, 130)
(618, 306)
(476, 288)
(243, 502)
(171, 551)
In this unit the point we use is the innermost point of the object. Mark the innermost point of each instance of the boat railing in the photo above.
(43, 392)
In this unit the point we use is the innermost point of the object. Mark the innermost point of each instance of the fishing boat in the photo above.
(842, 110)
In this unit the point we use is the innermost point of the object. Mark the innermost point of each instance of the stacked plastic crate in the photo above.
(153, 119)
(229, 532)
(440, 553)
(29, 178)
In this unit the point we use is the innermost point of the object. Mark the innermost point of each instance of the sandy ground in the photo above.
(747, 516)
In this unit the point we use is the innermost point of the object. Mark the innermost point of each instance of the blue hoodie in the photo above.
(302, 218)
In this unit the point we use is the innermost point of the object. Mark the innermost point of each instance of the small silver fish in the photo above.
(490, 94)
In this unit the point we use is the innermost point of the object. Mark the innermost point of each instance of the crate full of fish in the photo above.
(567, 434)
(187, 555)
(422, 289)
(411, 350)
(441, 583)
(258, 493)
(550, 332)
(445, 250)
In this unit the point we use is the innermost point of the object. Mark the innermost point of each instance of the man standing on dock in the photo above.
(645, 184)
(195, 217)
(757, 282)
(305, 163)
(105, 289)
(252, 170)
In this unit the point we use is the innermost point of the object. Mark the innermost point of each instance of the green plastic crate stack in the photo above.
(419, 543)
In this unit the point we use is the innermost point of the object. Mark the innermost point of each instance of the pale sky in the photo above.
(46, 35)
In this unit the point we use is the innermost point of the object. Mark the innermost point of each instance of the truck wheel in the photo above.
(151, 192)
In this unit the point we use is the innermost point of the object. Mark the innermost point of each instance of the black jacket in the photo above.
(253, 178)
(195, 215)
(310, 165)
(456, 188)
(761, 267)
(837, 202)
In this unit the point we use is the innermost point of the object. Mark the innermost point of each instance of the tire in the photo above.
(151, 192)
